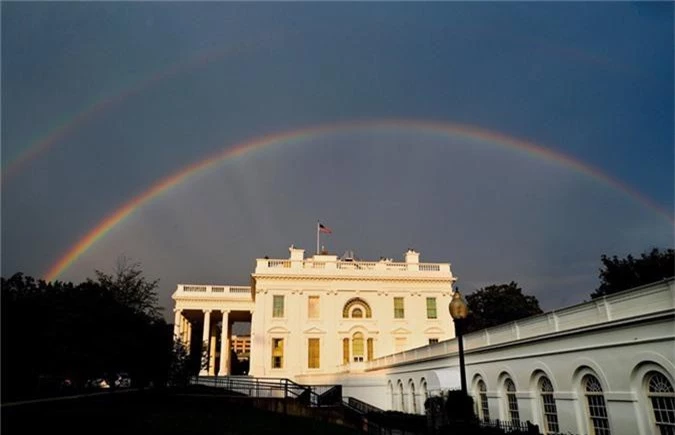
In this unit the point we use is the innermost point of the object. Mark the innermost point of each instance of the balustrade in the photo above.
(352, 266)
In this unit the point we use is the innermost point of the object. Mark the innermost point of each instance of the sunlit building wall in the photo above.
(324, 314)
(604, 366)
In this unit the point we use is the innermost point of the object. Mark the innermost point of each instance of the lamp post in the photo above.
(459, 310)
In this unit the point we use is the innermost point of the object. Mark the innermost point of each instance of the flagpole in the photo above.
(317, 237)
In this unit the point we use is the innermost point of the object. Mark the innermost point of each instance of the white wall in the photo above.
(337, 282)
(619, 339)
(619, 349)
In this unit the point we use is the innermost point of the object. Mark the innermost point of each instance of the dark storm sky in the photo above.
(102, 100)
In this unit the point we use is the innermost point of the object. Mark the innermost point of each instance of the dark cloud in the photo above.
(140, 101)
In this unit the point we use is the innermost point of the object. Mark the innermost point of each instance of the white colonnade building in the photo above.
(382, 330)
(320, 315)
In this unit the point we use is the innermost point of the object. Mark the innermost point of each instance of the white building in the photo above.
(322, 314)
(601, 367)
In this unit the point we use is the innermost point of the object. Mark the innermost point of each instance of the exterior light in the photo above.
(458, 308)
(458, 311)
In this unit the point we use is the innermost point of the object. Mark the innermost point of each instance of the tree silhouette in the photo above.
(57, 329)
(619, 274)
(130, 288)
(498, 304)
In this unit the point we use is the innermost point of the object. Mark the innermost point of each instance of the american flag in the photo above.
(324, 229)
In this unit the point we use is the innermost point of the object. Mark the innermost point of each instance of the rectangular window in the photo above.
(345, 351)
(313, 307)
(357, 347)
(433, 340)
(484, 406)
(277, 353)
(370, 349)
(598, 413)
(399, 312)
(278, 310)
(313, 353)
(431, 308)
(513, 408)
(550, 412)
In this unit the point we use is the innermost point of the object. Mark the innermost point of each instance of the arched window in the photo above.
(402, 394)
(349, 309)
(413, 398)
(357, 313)
(597, 411)
(548, 405)
(662, 398)
(512, 401)
(484, 410)
(357, 346)
(391, 394)
(424, 394)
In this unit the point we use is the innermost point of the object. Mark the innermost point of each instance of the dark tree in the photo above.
(59, 330)
(498, 304)
(131, 289)
(619, 274)
(179, 364)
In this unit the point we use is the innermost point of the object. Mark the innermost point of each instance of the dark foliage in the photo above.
(59, 330)
(180, 367)
(459, 406)
(619, 274)
(238, 367)
(401, 421)
(453, 413)
(498, 304)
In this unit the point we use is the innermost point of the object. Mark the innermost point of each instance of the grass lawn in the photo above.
(155, 412)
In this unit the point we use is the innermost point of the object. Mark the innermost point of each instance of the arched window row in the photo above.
(658, 389)
(408, 396)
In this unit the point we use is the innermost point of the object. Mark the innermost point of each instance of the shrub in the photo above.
(459, 407)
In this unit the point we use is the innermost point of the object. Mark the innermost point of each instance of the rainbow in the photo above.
(305, 134)
(63, 129)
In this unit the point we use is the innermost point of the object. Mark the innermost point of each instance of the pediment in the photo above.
(278, 330)
(433, 330)
(400, 331)
(314, 330)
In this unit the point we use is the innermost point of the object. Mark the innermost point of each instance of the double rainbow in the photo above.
(305, 134)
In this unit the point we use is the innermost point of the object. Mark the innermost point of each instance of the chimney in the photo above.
(296, 253)
(412, 256)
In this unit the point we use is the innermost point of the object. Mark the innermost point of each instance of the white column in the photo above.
(205, 342)
(183, 328)
(225, 345)
(188, 335)
(212, 350)
(177, 318)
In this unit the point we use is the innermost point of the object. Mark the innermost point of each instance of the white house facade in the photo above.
(382, 330)
(325, 315)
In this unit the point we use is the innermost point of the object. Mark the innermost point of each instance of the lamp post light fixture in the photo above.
(459, 310)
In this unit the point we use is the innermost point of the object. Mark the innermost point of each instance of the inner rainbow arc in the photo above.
(449, 129)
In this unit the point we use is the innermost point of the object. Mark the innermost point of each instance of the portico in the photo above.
(203, 318)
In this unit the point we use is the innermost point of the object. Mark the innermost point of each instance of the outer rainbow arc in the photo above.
(302, 134)
(155, 190)
(42, 145)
